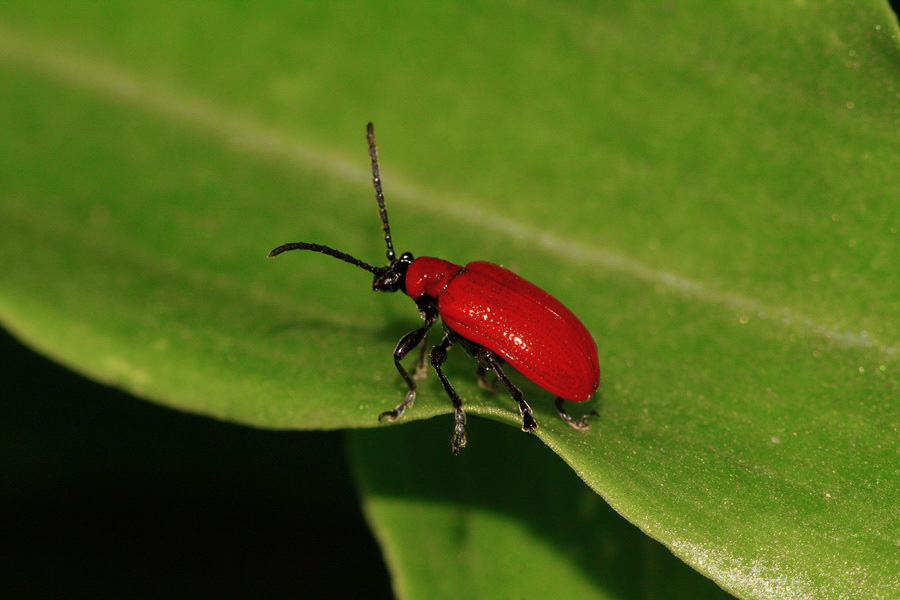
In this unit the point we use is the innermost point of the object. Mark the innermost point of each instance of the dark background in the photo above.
(103, 495)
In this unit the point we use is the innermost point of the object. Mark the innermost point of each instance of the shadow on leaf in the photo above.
(425, 503)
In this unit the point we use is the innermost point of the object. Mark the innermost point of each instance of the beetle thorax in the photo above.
(429, 276)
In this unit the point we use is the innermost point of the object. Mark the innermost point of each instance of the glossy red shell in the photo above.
(528, 327)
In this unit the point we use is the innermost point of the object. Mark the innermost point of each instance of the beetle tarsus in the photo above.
(397, 412)
(528, 422)
(459, 432)
(581, 423)
(390, 415)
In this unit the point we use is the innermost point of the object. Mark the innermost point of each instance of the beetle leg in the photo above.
(528, 422)
(438, 356)
(421, 367)
(404, 347)
(581, 423)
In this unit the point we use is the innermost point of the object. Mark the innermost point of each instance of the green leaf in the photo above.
(711, 187)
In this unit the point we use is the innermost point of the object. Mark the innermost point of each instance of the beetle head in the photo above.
(393, 277)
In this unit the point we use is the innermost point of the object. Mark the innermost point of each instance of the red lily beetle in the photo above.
(494, 314)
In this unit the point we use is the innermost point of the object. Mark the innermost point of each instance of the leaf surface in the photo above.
(712, 189)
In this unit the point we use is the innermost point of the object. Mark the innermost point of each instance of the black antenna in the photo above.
(326, 250)
(379, 195)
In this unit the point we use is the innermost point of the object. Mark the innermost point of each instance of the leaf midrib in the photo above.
(246, 134)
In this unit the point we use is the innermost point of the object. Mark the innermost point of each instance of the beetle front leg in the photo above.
(404, 346)
(581, 423)
(438, 356)
(528, 422)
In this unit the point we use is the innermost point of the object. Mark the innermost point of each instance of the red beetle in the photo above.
(494, 314)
